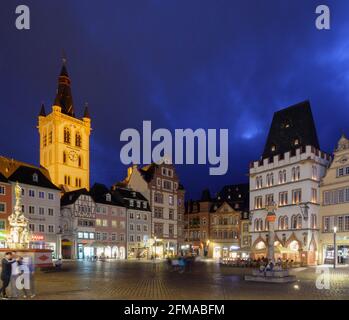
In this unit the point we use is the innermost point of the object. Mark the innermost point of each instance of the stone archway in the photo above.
(294, 246)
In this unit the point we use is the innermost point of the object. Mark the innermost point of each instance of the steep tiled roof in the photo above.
(26, 175)
(289, 125)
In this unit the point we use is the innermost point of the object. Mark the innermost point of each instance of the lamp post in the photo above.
(334, 247)
(155, 247)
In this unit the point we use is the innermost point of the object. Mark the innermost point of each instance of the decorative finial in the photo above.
(64, 57)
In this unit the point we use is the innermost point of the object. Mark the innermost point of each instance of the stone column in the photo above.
(271, 240)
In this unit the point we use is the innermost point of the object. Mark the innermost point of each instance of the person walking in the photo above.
(6, 270)
(15, 273)
(28, 269)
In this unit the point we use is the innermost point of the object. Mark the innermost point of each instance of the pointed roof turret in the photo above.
(42, 111)
(64, 97)
(343, 143)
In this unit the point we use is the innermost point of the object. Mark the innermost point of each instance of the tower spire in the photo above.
(64, 97)
(42, 110)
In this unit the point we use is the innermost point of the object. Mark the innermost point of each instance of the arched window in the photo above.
(294, 222)
(260, 224)
(293, 174)
(50, 136)
(80, 161)
(285, 222)
(64, 157)
(281, 223)
(299, 222)
(256, 225)
(284, 175)
(78, 139)
(313, 221)
(66, 135)
(266, 224)
(44, 138)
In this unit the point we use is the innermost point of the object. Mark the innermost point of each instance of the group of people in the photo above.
(18, 272)
(268, 265)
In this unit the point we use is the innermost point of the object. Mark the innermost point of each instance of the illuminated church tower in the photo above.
(65, 139)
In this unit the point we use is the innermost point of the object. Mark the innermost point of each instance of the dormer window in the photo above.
(296, 142)
(131, 203)
(134, 194)
(35, 177)
(273, 147)
(108, 197)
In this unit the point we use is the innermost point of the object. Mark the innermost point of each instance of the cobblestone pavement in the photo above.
(204, 280)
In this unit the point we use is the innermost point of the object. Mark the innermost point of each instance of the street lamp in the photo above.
(334, 247)
(155, 247)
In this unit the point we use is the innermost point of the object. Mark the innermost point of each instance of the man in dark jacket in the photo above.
(6, 267)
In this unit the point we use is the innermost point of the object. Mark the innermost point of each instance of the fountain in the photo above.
(273, 276)
(18, 239)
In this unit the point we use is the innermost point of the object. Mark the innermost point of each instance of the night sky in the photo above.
(182, 64)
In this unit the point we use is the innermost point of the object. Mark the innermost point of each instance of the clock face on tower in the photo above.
(73, 156)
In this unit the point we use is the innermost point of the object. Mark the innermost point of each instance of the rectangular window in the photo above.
(138, 238)
(104, 236)
(2, 224)
(41, 228)
(170, 200)
(51, 229)
(105, 223)
(2, 207)
(269, 199)
(139, 228)
(171, 214)
(114, 223)
(158, 213)
(346, 223)
(326, 224)
(2, 190)
(159, 229)
(31, 210)
(340, 224)
(41, 195)
(122, 237)
(50, 211)
(98, 222)
(41, 211)
(145, 228)
(98, 236)
(32, 227)
(113, 236)
(31, 193)
(50, 196)
(283, 201)
(171, 230)
(158, 198)
(296, 196)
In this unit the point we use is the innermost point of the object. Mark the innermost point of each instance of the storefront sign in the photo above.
(37, 237)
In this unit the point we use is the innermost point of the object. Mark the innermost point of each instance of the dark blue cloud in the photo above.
(197, 64)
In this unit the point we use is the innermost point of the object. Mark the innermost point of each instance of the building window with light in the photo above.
(66, 135)
(258, 202)
(283, 198)
(78, 140)
(296, 196)
(314, 195)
